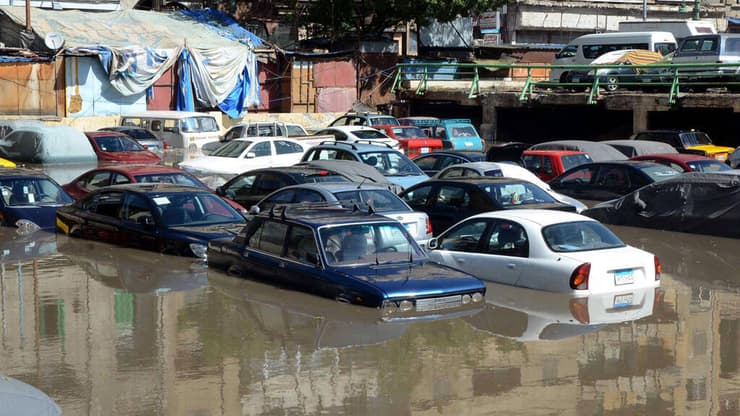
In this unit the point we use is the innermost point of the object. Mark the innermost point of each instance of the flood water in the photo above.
(111, 331)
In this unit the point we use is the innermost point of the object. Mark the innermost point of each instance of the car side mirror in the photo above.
(251, 155)
(254, 210)
(146, 220)
(432, 244)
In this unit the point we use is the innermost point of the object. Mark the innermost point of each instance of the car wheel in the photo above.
(612, 83)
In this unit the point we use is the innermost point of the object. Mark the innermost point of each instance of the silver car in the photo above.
(349, 194)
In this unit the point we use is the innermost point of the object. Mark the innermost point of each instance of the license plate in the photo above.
(623, 277)
(424, 150)
(434, 304)
(623, 301)
(411, 228)
(468, 144)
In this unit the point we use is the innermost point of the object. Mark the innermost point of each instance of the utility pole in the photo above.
(28, 15)
(697, 9)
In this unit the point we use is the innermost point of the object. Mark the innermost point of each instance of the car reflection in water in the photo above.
(16, 247)
(21, 399)
(535, 315)
(133, 270)
(312, 320)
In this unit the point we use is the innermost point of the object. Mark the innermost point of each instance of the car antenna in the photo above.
(361, 183)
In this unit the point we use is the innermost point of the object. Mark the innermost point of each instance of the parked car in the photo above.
(433, 162)
(448, 201)
(694, 202)
(359, 134)
(548, 164)
(545, 250)
(507, 170)
(180, 129)
(695, 142)
(364, 119)
(733, 160)
(165, 218)
(5, 163)
(349, 256)
(710, 48)
(625, 76)
(389, 162)
(632, 148)
(609, 180)
(459, 134)
(30, 195)
(240, 155)
(598, 152)
(145, 137)
(412, 140)
(252, 186)
(352, 195)
(111, 146)
(271, 129)
(39, 143)
(685, 162)
(121, 174)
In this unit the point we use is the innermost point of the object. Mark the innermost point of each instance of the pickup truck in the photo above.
(456, 133)
(548, 164)
(412, 140)
(267, 129)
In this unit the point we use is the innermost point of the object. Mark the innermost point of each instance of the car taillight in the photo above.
(658, 267)
(165, 145)
(429, 226)
(579, 310)
(579, 278)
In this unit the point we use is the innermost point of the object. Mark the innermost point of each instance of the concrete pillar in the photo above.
(488, 120)
(639, 118)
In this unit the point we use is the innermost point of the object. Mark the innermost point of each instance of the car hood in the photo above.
(210, 232)
(221, 165)
(144, 156)
(407, 181)
(43, 216)
(416, 279)
(711, 149)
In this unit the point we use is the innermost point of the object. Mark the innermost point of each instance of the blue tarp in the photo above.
(223, 24)
(184, 99)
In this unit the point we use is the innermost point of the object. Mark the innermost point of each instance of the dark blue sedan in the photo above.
(353, 257)
(27, 194)
(167, 218)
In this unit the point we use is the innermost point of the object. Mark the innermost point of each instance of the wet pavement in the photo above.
(112, 331)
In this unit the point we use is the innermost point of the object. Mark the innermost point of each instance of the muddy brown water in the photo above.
(112, 331)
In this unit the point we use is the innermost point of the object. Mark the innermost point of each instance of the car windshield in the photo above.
(199, 125)
(140, 134)
(178, 178)
(695, 139)
(368, 244)
(381, 200)
(707, 166)
(369, 134)
(408, 132)
(571, 161)
(32, 192)
(194, 209)
(391, 163)
(381, 121)
(516, 193)
(232, 149)
(579, 236)
(659, 172)
(118, 144)
(294, 130)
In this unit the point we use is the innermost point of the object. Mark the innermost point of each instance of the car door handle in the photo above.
(511, 266)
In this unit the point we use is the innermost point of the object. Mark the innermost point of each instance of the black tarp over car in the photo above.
(700, 203)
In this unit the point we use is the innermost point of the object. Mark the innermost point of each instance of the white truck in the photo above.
(679, 28)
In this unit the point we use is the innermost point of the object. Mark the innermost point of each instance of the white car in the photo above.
(547, 250)
(507, 170)
(359, 134)
(240, 155)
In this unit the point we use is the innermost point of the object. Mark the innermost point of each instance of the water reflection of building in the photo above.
(98, 349)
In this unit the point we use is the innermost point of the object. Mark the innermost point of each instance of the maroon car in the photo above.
(120, 174)
(684, 162)
(111, 146)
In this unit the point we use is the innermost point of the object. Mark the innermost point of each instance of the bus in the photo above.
(586, 48)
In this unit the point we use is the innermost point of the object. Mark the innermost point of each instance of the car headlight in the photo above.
(199, 250)
(466, 299)
(26, 227)
(477, 297)
(389, 307)
(405, 306)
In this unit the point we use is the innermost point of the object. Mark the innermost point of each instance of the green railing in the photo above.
(674, 79)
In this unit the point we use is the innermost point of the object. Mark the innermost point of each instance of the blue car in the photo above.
(27, 194)
(167, 218)
(350, 256)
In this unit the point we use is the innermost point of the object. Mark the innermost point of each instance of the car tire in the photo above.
(611, 83)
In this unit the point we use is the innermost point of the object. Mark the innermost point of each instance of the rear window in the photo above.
(369, 134)
(383, 121)
(408, 132)
(695, 139)
(232, 149)
(579, 236)
(659, 173)
(707, 166)
(178, 178)
(572, 161)
(381, 201)
(513, 194)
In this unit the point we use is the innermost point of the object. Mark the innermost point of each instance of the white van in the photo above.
(679, 28)
(180, 129)
(586, 48)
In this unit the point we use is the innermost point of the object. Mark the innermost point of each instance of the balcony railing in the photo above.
(673, 79)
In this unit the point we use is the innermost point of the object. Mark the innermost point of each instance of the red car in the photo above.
(548, 164)
(120, 174)
(684, 162)
(412, 140)
(111, 146)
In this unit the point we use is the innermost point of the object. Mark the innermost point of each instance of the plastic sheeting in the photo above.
(701, 203)
(46, 144)
(599, 152)
(147, 43)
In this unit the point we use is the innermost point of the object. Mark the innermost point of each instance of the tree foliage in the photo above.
(335, 19)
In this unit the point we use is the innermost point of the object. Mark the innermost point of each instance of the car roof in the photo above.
(139, 169)
(473, 180)
(22, 172)
(332, 187)
(290, 170)
(553, 152)
(350, 128)
(155, 188)
(317, 217)
(122, 128)
(541, 217)
(477, 156)
(356, 147)
(630, 163)
(678, 157)
(104, 133)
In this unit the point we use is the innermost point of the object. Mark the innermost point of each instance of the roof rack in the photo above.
(325, 207)
(338, 143)
(373, 142)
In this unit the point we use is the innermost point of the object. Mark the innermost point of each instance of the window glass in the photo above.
(242, 185)
(532, 162)
(108, 204)
(234, 133)
(508, 239)
(408, 132)
(568, 52)
(665, 48)
(120, 179)
(136, 207)
(272, 237)
(301, 245)
(232, 149)
(178, 178)
(613, 177)
(464, 237)
(294, 130)
(97, 180)
(390, 163)
(578, 177)
(131, 121)
(170, 126)
(571, 161)
(452, 173)
(283, 147)
(371, 243)
(369, 134)
(707, 166)
(262, 149)
(26, 191)
(381, 200)
(449, 160)
(519, 193)
(452, 198)
(659, 173)
(690, 45)
(426, 163)
(709, 45)
(155, 125)
(307, 195)
(269, 182)
(418, 197)
(579, 236)
(194, 209)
